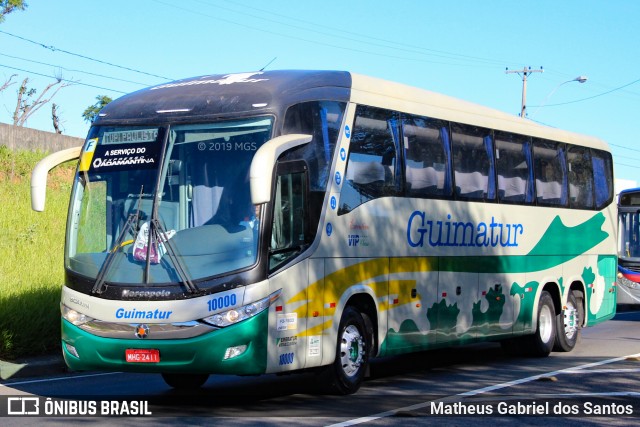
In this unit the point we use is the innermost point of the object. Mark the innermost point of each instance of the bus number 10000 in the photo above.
(222, 302)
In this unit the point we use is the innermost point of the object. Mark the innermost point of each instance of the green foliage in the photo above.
(91, 112)
(8, 6)
(31, 256)
(17, 165)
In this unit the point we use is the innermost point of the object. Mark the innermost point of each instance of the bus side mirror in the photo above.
(41, 171)
(261, 172)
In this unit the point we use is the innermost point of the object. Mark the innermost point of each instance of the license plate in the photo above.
(142, 356)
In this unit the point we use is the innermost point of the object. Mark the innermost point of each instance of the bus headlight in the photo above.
(239, 314)
(73, 316)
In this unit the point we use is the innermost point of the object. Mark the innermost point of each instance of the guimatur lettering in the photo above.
(422, 231)
(121, 313)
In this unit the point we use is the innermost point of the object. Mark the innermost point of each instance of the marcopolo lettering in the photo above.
(145, 293)
(121, 313)
(422, 231)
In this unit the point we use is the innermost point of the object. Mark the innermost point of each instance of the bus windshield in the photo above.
(142, 194)
(629, 225)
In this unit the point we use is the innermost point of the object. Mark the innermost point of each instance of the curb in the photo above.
(32, 367)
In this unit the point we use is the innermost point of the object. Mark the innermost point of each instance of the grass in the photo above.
(31, 256)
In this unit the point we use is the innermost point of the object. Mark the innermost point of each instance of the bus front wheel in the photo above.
(185, 381)
(352, 354)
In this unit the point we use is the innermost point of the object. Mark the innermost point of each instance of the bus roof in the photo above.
(221, 95)
(270, 92)
(630, 190)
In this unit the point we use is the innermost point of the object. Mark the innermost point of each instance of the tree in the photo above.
(27, 105)
(7, 82)
(55, 118)
(91, 112)
(8, 6)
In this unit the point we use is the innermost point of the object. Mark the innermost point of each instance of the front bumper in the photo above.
(202, 354)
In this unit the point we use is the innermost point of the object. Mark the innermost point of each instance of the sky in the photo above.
(460, 48)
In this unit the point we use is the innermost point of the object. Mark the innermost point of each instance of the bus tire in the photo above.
(185, 381)
(568, 323)
(353, 348)
(541, 342)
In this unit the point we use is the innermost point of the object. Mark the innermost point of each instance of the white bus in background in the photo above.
(277, 221)
(629, 247)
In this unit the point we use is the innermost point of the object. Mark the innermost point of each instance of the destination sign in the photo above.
(130, 136)
(129, 156)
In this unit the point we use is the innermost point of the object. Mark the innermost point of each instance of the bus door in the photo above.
(288, 238)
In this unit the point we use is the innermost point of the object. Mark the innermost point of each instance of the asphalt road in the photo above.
(596, 384)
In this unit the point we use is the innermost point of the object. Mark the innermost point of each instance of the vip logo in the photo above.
(354, 239)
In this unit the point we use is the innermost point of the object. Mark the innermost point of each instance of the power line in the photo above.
(632, 159)
(626, 148)
(592, 83)
(54, 49)
(217, 18)
(594, 96)
(629, 166)
(72, 70)
(333, 30)
(61, 79)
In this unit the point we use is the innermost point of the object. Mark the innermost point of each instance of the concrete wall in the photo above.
(21, 138)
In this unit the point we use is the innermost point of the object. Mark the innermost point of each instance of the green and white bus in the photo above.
(276, 221)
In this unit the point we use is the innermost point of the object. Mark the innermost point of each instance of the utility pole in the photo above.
(525, 73)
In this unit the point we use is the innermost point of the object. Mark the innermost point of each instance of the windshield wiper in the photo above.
(131, 224)
(163, 237)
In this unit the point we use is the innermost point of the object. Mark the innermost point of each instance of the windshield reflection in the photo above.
(197, 221)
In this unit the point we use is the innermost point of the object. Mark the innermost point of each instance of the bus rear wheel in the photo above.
(568, 324)
(353, 347)
(185, 381)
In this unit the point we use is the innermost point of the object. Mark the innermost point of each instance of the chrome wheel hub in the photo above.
(570, 321)
(545, 324)
(352, 351)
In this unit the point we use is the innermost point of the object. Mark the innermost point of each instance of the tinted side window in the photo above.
(580, 178)
(372, 164)
(323, 121)
(602, 177)
(426, 150)
(473, 166)
(289, 229)
(513, 163)
(550, 172)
